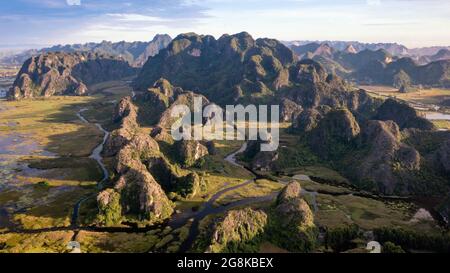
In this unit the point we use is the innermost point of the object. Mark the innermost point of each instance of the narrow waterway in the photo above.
(209, 208)
(96, 155)
(437, 116)
(232, 157)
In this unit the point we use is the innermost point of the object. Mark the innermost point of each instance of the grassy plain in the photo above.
(45, 242)
(426, 96)
(48, 197)
(96, 242)
(57, 148)
(442, 124)
(259, 188)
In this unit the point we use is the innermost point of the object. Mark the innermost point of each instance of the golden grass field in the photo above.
(426, 96)
(47, 196)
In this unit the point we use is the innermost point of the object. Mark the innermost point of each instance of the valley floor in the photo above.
(48, 182)
(429, 101)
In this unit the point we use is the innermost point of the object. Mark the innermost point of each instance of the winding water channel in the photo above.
(179, 220)
(209, 208)
(96, 155)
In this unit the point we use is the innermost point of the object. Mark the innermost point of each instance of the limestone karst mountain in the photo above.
(289, 223)
(404, 115)
(157, 102)
(350, 49)
(434, 74)
(377, 151)
(135, 194)
(309, 51)
(393, 48)
(237, 68)
(143, 173)
(426, 51)
(340, 123)
(237, 231)
(66, 74)
(443, 54)
(380, 67)
(224, 70)
(135, 53)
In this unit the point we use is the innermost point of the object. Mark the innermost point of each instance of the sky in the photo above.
(414, 23)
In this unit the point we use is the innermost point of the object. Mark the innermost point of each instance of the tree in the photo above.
(340, 239)
(390, 247)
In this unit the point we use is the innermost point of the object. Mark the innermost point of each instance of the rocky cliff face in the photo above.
(313, 87)
(66, 74)
(309, 119)
(143, 172)
(289, 110)
(294, 211)
(289, 223)
(125, 114)
(387, 158)
(187, 186)
(157, 102)
(369, 151)
(402, 114)
(292, 221)
(291, 191)
(442, 156)
(225, 70)
(336, 130)
(136, 193)
(260, 161)
(237, 231)
(190, 151)
(151, 49)
(359, 135)
(238, 68)
(376, 154)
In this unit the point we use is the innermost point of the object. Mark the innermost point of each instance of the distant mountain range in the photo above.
(393, 48)
(443, 54)
(379, 66)
(135, 53)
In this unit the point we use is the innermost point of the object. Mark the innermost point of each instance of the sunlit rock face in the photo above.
(51, 74)
(225, 69)
(237, 230)
(136, 193)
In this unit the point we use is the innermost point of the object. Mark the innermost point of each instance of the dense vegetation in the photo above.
(412, 240)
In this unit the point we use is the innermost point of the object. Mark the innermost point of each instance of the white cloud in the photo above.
(374, 2)
(133, 17)
(73, 2)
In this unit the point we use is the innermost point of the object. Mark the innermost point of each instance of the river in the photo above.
(177, 220)
(437, 116)
(96, 155)
(5, 84)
